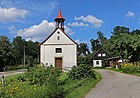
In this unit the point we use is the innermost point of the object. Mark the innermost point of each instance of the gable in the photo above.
(101, 54)
(58, 37)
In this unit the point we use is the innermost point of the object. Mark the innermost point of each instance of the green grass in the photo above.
(118, 70)
(79, 88)
(73, 88)
(114, 69)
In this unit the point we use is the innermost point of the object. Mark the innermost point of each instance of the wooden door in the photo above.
(58, 63)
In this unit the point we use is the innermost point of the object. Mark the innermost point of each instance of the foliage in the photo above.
(84, 60)
(130, 68)
(18, 89)
(16, 67)
(18, 44)
(124, 44)
(96, 44)
(54, 89)
(120, 29)
(41, 75)
(83, 49)
(12, 53)
(67, 88)
(6, 51)
(78, 88)
(82, 71)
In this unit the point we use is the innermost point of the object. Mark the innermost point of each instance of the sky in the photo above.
(34, 19)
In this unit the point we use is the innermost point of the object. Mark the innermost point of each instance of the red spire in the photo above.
(59, 15)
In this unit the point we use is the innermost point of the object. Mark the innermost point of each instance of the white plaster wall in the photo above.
(69, 55)
(95, 65)
(63, 38)
(69, 50)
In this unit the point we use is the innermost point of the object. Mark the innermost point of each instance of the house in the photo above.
(100, 58)
(59, 49)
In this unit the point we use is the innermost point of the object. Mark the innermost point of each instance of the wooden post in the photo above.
(2, 79)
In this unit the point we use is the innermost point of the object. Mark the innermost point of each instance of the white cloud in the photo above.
(91, 19)
(38, 32)
(78, 41)
(130, 14)
(12, 14)
(46, 6)
(77, 24)
(68, 30)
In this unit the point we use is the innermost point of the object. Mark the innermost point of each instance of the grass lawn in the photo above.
(79, 88)
(118, 70)
(73, 88)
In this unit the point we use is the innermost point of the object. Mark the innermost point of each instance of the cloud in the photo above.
(45, 6)
(91, 19)
(77, 41)
(68, 30)
(12, 14)
(38, 32)
(76, 24)
(130, 14)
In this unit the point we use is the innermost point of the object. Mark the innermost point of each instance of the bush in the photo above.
(21, 77)
(130, 68)
(39, 75)
(54, 88)
(82, 71)
(49, 77)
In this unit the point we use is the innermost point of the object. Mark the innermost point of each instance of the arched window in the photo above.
(58, 37)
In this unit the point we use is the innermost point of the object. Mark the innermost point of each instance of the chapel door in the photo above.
(58, 63)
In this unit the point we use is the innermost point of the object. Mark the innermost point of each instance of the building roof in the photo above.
(59, 15)
(54, 32)
(101, 50)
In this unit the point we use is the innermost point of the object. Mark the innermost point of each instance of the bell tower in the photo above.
(59, 20)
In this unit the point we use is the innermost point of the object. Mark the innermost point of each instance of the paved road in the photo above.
(116, 85)
(10, 73)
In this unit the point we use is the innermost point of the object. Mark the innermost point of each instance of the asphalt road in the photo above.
(10, 73)
(116, 85)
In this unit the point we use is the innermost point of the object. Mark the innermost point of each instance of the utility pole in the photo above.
(24, 55)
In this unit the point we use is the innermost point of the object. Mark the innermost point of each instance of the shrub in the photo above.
(39, 75)
(49, 77)
(130, 68)
(54, 88)
(21, 77)
(82, 71)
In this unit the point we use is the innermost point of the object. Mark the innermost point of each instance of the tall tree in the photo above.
(6, 52)
(83, 49)
(18, 44)
(101, 38)
(120, 29)
(95, 43)
(99, 42)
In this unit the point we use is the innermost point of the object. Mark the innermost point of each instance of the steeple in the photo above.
(59, 20)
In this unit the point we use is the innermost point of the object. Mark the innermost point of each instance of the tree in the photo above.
(99, 42)
(101, 38)
(83, 49)
(18, 44)
(120, 29)
(136, 32)
(6, 51)
(125, 45)
(95, 43)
